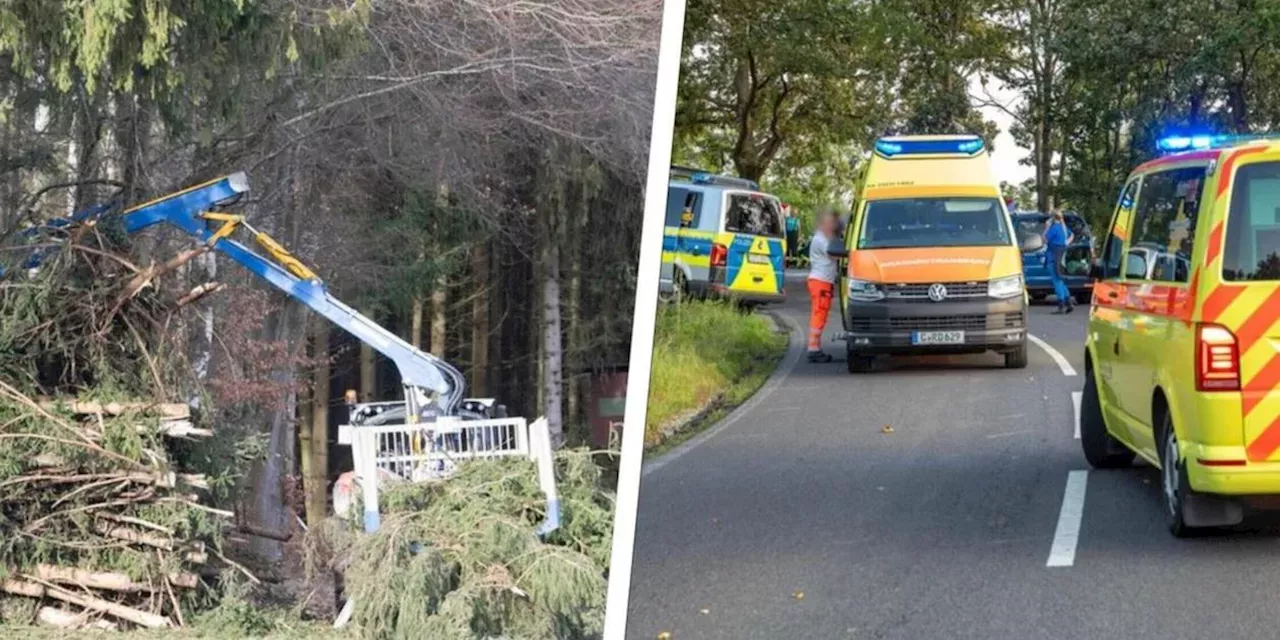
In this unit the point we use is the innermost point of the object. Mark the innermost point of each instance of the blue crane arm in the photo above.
(188, 210)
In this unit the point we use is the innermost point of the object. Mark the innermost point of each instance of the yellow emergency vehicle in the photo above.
(933, 262)
(1182, 361)
(723, 238)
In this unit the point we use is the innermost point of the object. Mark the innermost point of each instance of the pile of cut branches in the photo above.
(459, 559)
(99, 528)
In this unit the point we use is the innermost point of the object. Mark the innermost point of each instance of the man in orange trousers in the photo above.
(824, 249)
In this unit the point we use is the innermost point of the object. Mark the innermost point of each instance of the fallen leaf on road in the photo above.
(799, 595)
(886, 429)
(705, 612)
(665, 635)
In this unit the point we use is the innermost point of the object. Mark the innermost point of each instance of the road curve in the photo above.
(802, 518)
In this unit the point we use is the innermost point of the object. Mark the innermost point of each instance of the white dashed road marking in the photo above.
(1067, 536)
(1067, 369)
(1075, 402)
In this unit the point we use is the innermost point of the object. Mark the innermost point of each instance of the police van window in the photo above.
(934, 222)
(1164, 225)
(1252, 247)
(679, 200)
(754, 214)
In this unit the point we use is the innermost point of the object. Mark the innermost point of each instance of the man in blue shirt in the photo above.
(1057, 237)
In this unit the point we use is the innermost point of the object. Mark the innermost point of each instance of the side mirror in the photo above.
(1095, 271)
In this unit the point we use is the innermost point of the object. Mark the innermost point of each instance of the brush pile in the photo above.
(101, 523)
(99, 528)
(459, 559)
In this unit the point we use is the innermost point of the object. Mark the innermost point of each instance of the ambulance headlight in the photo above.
(865, 291)
(1005, 287)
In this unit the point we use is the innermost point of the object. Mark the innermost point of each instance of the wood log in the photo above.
(115, 517)
(107, 580)
(133, 535)
(173, 410)
(47, 460)
(194, 552)
(36, 590)
(59, 618)
(71, 621)
(181, 429)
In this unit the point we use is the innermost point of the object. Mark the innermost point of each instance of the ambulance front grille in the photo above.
(920, 292)
(923, 323)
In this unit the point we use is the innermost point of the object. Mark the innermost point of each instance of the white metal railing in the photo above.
(418, 452)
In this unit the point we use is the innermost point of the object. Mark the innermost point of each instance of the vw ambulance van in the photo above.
(934, 266)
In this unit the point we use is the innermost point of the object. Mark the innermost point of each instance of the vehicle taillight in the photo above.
(719, 255)
(1217, 359)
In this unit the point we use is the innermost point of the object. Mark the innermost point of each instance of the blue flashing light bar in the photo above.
(1200, 142)
(968, 145)
(1184, 143)
(706, 177)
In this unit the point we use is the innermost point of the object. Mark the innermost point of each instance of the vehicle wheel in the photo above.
(858, 363)
(1101, 449)
(1016, 359)
(1173, 480)
(679, 288)
(1039, 297)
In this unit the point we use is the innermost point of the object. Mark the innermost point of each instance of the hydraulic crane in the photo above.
(432, 387)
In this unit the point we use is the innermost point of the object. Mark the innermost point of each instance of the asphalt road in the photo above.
(797, 517)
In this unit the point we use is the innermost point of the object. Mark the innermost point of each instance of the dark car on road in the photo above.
(1030, 227)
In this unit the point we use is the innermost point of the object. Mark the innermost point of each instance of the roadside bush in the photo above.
(706, 353)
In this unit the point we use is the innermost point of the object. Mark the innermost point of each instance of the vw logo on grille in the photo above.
(937, 292)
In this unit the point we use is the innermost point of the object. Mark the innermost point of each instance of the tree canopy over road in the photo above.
(791, 91)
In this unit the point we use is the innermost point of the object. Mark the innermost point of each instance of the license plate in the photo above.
(937, 337)
(755, 258)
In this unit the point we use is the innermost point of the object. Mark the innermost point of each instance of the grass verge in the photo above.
(708, 357)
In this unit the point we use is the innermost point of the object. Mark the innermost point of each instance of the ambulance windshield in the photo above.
(934, 222)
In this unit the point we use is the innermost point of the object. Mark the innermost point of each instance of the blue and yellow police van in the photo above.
(723, 238)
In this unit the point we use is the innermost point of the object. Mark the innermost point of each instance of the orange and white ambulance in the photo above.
(934, 265)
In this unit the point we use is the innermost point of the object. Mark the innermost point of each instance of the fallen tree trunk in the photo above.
(107, 580)
(70, 621)
(91, 407)
(36, 590)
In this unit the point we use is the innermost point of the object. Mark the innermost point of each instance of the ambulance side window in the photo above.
(1113, 252)
(1164, 225)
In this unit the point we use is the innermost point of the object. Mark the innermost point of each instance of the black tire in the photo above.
(1101, 449)
(1016, 359)
(858, 363)
(679, 288)
(1174, 486)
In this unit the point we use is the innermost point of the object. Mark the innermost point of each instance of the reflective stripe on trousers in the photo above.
(820, 294)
